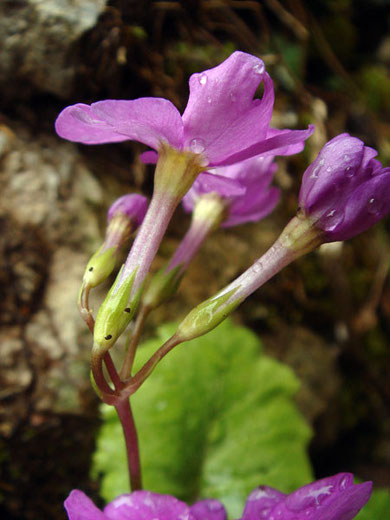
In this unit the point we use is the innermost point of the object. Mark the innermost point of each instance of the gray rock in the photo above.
(36, 39)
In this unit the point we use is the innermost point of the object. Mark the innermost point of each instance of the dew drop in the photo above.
(197, 145)
(203, 79)
(317, 167)
(344, 482)
(374, 206)
(346, 158)
(349, 171)
(264, 513)
(257, 267)
(329, 169)
(209, 100)
(258, 68)
(332, 219)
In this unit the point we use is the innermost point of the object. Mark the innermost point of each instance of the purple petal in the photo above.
(332, 498)
(149, 157)
(333, 173)
(289, 149)
(261, 502)
(147, 120)
(221, 116)
(368, 204)
(80, 124)
(212, 183)
(252, 207)
(80, 507)
(208, 510)
(132, 205)
(283, 143)
(259, 169)
(145, 505)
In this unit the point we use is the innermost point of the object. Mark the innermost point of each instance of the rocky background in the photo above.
(327, 315)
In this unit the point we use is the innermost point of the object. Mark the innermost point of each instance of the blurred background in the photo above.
(327, 315)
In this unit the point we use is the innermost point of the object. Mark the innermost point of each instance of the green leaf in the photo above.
(378, 507)
(216, 419)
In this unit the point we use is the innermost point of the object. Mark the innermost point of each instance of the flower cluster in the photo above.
(332, 498)
(218, 158)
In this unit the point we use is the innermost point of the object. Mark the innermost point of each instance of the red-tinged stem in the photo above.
(98, 375)
(126, 418)
(83, 304)
(112, 372)
(143, 373)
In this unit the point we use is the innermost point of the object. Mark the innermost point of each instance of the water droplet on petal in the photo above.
(304, 499)
(203, 79)
(264, 513)
(345, 482)
(197, 145)
(346, 158)
(316, 169)
(332, 219)
(375, 206)
(233, 97)
(349, 171)
(209, 100)
(259, 68)
(329, 169)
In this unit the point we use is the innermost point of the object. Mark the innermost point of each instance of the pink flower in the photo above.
(243, 187)
(142, 505)
(222, 121)
(345, 190)
(332, 498)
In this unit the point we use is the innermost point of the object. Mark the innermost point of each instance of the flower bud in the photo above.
(345, 190)
(207, 315)
(115, 313)
(124, 216)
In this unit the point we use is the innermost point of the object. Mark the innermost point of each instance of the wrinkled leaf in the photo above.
(216, 419)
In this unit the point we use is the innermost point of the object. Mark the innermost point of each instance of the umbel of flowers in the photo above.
(218, 158)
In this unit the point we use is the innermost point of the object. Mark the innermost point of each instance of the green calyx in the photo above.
(162, 286)
(301, 235)
(115, 313)
(206, 316)
(99, 267)
(176, 171)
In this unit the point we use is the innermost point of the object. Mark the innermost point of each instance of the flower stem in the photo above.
(126, 418)
(112, 372)
(143, 373)
(127, 366)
